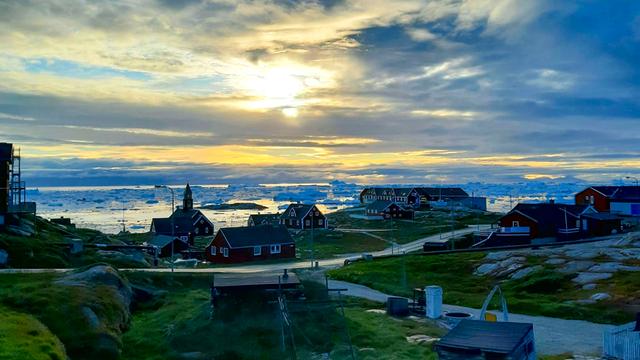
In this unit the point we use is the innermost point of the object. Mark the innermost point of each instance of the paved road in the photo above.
(249, 268)
(553, 336)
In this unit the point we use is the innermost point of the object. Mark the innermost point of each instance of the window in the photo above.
(320, 222)
(206, 230)
(275, 249)
(184, 238)
(297, 222)
(197, 231)
(593, 200)
(515, 224)
(225, 252)
(213, 251)
(257, 250)
(317, 213)
(307, 222)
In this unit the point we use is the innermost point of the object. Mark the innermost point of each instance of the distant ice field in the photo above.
(101, 208)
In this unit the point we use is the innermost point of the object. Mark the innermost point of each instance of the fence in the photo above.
(622, 343)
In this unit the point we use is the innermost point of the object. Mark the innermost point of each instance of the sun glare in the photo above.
(290, 112)
(283, 87)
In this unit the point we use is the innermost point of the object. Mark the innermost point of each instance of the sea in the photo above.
(131, 208)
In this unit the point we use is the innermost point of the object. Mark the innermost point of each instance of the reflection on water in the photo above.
(101, 208)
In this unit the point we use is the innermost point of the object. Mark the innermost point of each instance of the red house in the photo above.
(240, 244)
(543, 219)
(618, 199)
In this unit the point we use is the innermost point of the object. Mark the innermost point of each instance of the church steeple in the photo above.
(187, 201)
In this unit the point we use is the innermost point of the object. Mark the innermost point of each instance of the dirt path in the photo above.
(553, 336)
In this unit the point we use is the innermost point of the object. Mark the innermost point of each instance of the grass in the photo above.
(60, 308)
(327, 243)
(46, 248)
(250, 324)
(23, 337)
(543, 293)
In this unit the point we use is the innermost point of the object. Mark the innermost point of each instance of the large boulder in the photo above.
(576, 266)
(588, 277)
(485, 269)
(524, 272)
(612, 267)
(135, 259)
(95, 305)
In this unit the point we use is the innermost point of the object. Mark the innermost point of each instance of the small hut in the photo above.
(481, 340)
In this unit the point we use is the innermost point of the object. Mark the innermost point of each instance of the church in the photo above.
(187, 221)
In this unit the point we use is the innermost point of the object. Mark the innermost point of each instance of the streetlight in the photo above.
(632, 178)
(173, 228)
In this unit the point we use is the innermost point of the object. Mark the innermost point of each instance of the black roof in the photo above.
(498, 337)
(620, 193)
(162, 240)
(379, 205)
(256, 235)
(6, 151)
(442, 191)
(604, 216)
(548, 212)
(183, 221)
(300, 210)
(259, 219)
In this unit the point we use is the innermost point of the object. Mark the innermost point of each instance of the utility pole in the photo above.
(312, 226)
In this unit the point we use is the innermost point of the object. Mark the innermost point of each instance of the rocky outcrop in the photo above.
(98, 306)
(587, 277)
(524, 272)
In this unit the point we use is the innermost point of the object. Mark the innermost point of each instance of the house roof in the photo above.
(259, 219)
(498, 337)
(442, 191)
(299, 210)
(402, 191)
(619, 193)
(256, 235)
(604, 216)
(548, 212)
(6, 151)
(183, 220)
(162, 240)
(379, 205)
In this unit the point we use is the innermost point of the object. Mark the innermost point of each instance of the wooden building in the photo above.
(187, 222)
(486, 340)
(388, 210)
(419, 197)
(623, 200)
(263, 219)
(303, 216)
(163, 244)
(241, 244)
(544, 219)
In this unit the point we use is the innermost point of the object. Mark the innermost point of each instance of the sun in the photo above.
(290, 112)
(285, 87)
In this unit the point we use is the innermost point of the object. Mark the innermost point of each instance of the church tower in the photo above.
(187, 201)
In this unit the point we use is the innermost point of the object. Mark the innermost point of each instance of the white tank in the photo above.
(433, 297)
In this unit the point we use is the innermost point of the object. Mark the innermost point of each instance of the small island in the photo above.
(235, 206)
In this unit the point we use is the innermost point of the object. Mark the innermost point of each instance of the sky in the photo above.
(367, 91)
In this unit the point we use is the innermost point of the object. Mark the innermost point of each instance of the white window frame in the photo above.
(307, 222)
(213, 251)
(225, 252)
(320, 222)
(275, 249)
(257, 250)
(515, 223)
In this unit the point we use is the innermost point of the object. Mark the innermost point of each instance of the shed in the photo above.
(477, 339)
(163, 243)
